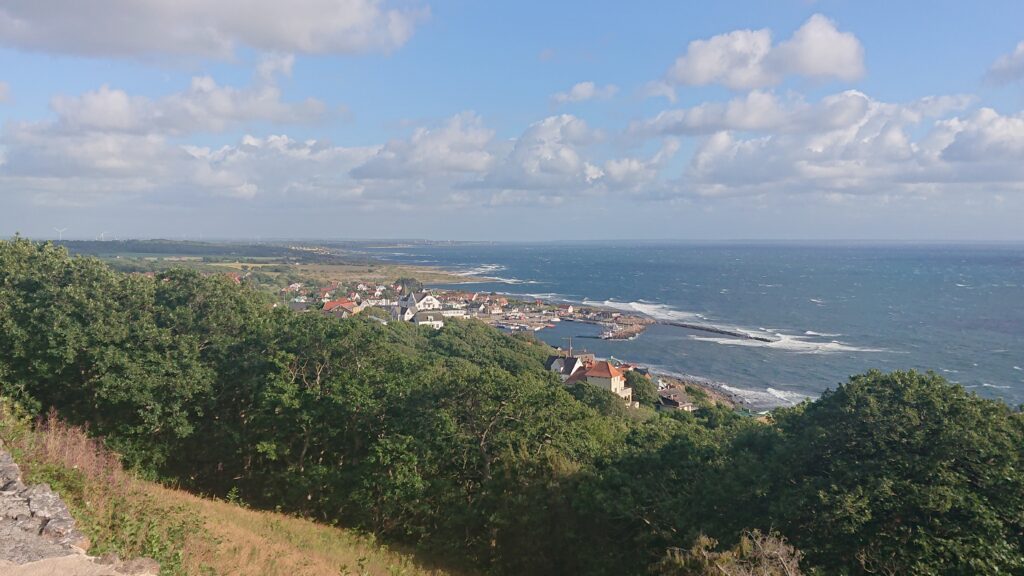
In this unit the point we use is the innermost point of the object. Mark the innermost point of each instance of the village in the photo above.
(406, 301)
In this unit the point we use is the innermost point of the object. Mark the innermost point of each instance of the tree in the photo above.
(408, 284)
(756, 554)
(901, 473)
(644, 390)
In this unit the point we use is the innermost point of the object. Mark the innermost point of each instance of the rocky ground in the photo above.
(38, 535)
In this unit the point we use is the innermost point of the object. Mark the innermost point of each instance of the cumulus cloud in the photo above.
(746, 59)
(458, 146)
(204, 107)
(584, 91)
(1008, 67)
(876, 154)
(761, 111)
(548, 156)
(985, 136)
(205, 28)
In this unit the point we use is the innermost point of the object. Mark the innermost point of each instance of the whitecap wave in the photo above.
(1018, 368)
(821, 334)
(769, 398)
(997, 386)
(788, 343)
(480, 270)
(656, 311)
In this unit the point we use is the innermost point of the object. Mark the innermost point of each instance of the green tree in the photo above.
(645, 391)
(901, 473)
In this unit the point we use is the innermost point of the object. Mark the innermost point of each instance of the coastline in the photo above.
(717, 391)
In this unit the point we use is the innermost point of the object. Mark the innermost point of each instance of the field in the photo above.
(278, 264)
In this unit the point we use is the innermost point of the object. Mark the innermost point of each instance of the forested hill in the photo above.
(458, 442)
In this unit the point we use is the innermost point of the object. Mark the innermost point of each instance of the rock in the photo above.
(38, 535)
(138, 567)
(45, 503)
(14, 507)
(10, 474)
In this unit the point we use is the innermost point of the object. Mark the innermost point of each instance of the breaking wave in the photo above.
(656, 311)
(786, 342)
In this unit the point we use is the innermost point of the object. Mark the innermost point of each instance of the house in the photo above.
(454, 312)
(675, 399)
(603, 375)
(296, 306)
(432, 318)
(564, 366)
(403, 313)
(342, 307)
(565, 310)
(421, 300)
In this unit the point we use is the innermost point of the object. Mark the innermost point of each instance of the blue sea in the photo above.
(831, 310)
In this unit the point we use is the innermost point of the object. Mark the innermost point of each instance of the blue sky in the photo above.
(512, 121)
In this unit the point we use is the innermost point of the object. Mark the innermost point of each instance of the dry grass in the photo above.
(243, 542)
(377, 272)
(186, 533)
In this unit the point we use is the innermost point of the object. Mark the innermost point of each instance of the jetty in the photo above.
(715, 330)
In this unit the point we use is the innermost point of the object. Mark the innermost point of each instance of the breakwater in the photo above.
(715, 330)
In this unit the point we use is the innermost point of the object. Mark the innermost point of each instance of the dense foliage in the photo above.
(459, 442)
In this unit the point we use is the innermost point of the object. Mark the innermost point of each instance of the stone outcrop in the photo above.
(38, 534)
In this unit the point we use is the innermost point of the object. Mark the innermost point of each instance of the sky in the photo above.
(525, 120)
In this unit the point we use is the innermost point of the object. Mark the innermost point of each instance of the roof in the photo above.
(339, 303)
(564, 365)
(577, 376)
(428, 316)
(603, 369)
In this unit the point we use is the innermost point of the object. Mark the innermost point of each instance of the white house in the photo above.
(421, 300)
(432, 318)
(603, 375)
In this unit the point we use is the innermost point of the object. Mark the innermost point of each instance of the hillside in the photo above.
(458, 444)
(127, 516)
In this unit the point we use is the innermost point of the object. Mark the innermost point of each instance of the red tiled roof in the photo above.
(339, 303)
(579, 375)
(603, 369)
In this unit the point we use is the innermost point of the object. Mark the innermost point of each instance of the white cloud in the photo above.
(459, 146)
(204, 107)
(635, 173)
(1008, 67)
(584, 91)
(819, 50)
(986, 136)
(5, 92)
(745, 59)
(761, 111)
(875, 155)
(659, 88)
(548, 156)
(203, 27)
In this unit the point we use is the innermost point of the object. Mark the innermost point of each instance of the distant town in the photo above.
(405, 300)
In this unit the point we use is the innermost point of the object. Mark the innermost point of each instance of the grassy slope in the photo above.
(241, 541)
(125, 515)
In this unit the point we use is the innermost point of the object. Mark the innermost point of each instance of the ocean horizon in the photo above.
(831, 309)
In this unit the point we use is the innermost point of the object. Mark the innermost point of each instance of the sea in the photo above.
(830, 311)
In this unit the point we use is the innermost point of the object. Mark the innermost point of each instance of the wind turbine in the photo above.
(60, 233)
